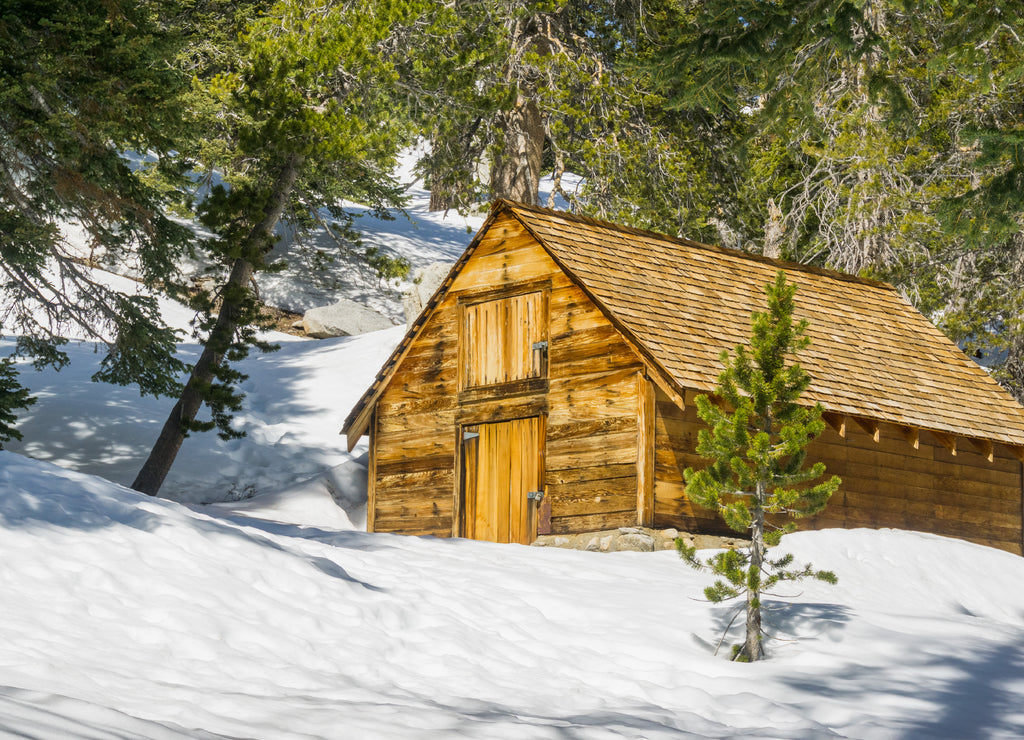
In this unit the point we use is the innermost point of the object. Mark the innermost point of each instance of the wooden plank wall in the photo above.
(591, 400)
(413, 451)
(887, 483)
(675, 439)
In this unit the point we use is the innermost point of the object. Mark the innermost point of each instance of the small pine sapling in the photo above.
(757, 451)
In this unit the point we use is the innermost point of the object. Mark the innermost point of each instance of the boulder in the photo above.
(637, 539)
(425, 282)
(635, 542)
(343, 319)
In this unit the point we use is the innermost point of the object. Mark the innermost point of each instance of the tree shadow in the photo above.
(467, 717)
(107, 430)
(37, 495)
(981, 702)
(41, 496)
(781, 621)
(347, 539)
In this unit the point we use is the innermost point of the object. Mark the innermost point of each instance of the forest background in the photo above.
(884, 139)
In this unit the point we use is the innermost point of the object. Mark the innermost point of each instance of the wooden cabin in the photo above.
(547, 387)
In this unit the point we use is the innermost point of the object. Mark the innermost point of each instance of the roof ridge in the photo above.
(504, 203)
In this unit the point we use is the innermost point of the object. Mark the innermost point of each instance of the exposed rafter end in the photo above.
(985, 447)
(690, 397)
(717, 400)
(870, 426)
(836, 421)
(946, 440)
(1015, 450)
(912, 435)
(679, 399)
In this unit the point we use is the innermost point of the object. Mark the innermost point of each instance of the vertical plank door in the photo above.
(502, 464)
(499, 336)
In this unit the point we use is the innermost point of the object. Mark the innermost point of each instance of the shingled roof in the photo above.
(873, 356)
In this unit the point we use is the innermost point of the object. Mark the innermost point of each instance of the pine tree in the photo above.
(297, 117)
(507, 91)
(978, 278)
(12, 396)
(82, 84)
(882, 138)
(757, 451)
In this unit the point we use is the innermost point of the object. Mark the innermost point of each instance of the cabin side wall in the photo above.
(887, 483)
(590, 400)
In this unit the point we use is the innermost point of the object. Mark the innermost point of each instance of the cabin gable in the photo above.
(513, 338)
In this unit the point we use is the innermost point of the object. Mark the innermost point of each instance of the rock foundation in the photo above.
(634, 539)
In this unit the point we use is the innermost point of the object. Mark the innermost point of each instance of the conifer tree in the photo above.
(82, 84)
(979, 276)
(756, 476)
(882, 138)
(297, 117)
(12, 396)
(508, 91)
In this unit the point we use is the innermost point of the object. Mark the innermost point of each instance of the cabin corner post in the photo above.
(645, 452)
(371, 473)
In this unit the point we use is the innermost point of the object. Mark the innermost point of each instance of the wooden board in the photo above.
(371, 475)
(498, 339)
(645, 457)
(888, 483)
(503, 463)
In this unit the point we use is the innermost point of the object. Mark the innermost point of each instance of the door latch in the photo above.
(535, 495)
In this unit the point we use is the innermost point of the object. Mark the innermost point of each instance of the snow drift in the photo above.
(131, 616)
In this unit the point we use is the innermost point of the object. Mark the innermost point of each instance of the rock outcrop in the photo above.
(425, 283)
(342, 319)
(634, 539)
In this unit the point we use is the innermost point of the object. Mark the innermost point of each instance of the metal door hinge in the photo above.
(535, 495)
(541, 345)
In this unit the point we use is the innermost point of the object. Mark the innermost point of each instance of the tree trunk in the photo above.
(515, 171)
(440, 198)
(774, 232)
(752, 645)
(256, 244)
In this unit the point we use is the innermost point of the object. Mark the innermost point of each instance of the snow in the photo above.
(130, 616)
(278, 616)
(296, 401)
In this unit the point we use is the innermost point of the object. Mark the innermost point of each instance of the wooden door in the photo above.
(502, 339)
(502, 475)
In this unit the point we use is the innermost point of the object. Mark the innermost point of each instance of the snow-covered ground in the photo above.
(296, 401)
(123, 616)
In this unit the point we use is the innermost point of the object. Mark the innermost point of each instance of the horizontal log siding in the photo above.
(592, 422)
(590, 399)
(675, 439)
(885, 484)
(414, 447)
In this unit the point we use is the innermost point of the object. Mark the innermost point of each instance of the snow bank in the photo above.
(296, 401)
(129, 615)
